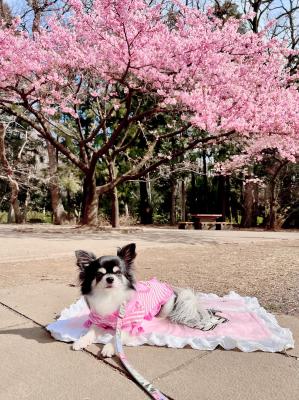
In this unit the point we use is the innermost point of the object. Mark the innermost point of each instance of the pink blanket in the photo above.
(249, 327)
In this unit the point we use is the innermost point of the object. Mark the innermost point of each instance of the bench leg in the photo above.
(197, 225)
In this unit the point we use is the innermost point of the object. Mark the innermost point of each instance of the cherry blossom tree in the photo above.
(273, 157)
(142, 78)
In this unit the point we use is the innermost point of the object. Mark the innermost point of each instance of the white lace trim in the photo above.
(69, 327)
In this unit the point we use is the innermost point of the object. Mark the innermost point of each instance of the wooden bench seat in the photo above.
(210, 220)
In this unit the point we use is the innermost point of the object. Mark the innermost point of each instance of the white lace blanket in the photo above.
(249, 327)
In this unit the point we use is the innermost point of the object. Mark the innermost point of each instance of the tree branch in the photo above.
(45, 134)
(138, 172)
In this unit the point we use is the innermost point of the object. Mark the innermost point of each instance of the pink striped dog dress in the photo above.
(145, 304)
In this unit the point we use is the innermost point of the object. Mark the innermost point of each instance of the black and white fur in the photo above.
(108, 281)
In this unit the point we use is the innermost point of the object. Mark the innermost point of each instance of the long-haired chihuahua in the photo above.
(108, 281)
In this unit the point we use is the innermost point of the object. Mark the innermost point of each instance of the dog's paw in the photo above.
(108, 350)
(79, 344)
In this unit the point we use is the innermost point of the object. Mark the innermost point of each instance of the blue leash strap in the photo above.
(145, 384)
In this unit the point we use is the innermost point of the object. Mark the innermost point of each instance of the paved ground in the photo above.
(37, 278)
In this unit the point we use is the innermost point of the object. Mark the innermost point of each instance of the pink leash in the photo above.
(146, 385)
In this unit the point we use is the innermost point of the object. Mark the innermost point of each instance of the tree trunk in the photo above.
(37, 9)
(114, 208)
(222, 196)
(255, 210)
(273, 201)
(193, 200)
(15, 211)
(237, 203)
(149, 188)
(228, 209)
(90, 203)
(59, 214)
(248, 201)
(114, 196)
(183, 200)
(146, 212)
(26, 204)
(205, 182)
(173, 202)
(15, 214)
(272, 205)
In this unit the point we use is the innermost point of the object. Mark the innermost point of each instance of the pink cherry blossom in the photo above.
(217, 78)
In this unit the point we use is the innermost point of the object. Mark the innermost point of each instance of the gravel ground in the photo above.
(260, 264)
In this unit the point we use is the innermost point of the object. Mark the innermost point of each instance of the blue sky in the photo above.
(16, 5)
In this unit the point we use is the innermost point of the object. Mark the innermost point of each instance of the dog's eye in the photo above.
(116, 270)
(99, 276)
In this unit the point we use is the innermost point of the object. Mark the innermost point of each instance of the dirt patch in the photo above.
(268, 271)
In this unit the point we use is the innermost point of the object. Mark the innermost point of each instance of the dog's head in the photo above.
(106, 272)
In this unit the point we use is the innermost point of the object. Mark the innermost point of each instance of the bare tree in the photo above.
(21, 166)
(287, 28)
(14, 212)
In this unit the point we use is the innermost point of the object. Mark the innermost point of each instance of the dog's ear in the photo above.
(84, 258)
(127, 253)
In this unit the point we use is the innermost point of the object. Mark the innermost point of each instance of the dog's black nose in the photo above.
(110, 279)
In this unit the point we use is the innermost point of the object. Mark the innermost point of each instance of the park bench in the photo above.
(186, 225)
(207, 221)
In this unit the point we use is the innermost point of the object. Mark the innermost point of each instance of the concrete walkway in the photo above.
(34, 366)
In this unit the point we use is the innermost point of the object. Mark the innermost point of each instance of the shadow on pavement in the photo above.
(31, 333)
